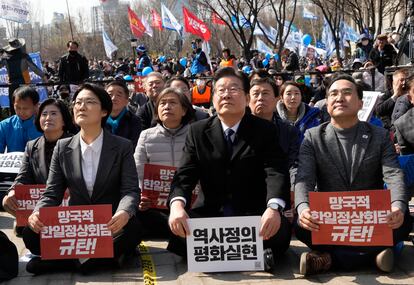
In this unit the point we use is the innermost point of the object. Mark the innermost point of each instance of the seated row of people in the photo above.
(227, 154)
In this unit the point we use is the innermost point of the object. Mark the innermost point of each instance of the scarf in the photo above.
(114, 122)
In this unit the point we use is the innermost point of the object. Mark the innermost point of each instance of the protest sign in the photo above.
(157, 183)
(34, 78)
(369, 99)
(356, 218)
(225, 244)
(11, 162)
(76, 232)
(139, 84)
(27, 197)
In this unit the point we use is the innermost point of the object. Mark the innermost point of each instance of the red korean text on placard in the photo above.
(356, 218)
(76, 232)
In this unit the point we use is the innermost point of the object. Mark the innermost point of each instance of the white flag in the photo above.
(270, 32)
(262, 47)
(148, 29)
(110, 48)
(169, 22)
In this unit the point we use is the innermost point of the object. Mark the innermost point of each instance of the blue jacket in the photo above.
(15, 133)
(199, 63)
(311, 118)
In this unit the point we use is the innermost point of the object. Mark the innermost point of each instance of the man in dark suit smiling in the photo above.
(239, 163)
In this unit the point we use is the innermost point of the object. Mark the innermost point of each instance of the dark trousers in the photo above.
(351, 257)
(154, 224)
(279, 243)
(124, 244)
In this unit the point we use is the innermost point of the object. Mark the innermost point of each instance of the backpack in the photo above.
(9, 259)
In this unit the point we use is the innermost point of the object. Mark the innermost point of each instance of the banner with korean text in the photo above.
(27, 197)
(76, 232)
(156, 185)
(10, 162)
(356, 218)
(225, 244)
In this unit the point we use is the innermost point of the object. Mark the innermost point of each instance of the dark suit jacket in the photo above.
(374, 162)
(129, 127)
(404, 131)
(116, 180)
(34, 168)
(247, 180)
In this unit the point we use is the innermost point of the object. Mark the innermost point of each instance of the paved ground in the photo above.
(171, 269)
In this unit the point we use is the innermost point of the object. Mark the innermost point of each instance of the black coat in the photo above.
(246, 180)
(383, 60)
(129, 127)
(73, 69)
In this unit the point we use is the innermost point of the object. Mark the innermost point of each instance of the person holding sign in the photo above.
(240, 165)
(55, 122)
(346, 154)
(97, 168)
(162, 145)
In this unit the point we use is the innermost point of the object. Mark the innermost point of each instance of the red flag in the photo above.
(195, 26)
(137, 28)
(217, 20)
(156, 19)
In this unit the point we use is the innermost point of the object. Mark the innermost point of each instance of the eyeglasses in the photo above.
(231, 90)
(87, 102)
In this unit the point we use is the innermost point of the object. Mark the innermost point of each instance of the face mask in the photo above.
(73, 52)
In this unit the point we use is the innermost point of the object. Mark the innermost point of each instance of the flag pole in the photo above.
(70, 22)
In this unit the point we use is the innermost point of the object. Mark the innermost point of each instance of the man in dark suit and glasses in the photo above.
(239, 163)
(346, 154)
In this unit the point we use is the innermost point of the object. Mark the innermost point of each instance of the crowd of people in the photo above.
(230, 133)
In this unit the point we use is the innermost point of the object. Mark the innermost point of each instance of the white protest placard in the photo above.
(11, 162)
(15, 10)
(225, 244)
(370, 99)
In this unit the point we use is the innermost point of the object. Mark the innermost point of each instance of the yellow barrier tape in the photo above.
(148, 267)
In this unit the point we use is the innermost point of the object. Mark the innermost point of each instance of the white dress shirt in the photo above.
(91, 155)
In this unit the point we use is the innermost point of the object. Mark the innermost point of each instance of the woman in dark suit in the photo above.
(55, 122)
(97, 168)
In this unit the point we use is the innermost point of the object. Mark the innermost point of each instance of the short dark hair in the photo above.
(103, 96)
(347, 77)
(72, 42)
(120, 84)
(177, 78)
(229, 71)
(286, 84)
(25, 92)
(226, 50)
(185, 103)
(266, 80)
(67, 118)
(261, 72)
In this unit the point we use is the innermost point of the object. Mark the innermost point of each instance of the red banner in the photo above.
(157, 183)
(139, 84)
(27, 197)
(76, 232)
(356, 218)
(137, 28)
(156, 20)
(217, 20)
(195, 26)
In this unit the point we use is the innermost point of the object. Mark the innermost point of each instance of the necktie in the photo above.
(228, 134)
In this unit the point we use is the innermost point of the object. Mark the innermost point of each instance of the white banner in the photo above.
(148, 29)
(11, 162)
(370, 99)
(15, 10)
(262, 47)
(225, 244)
